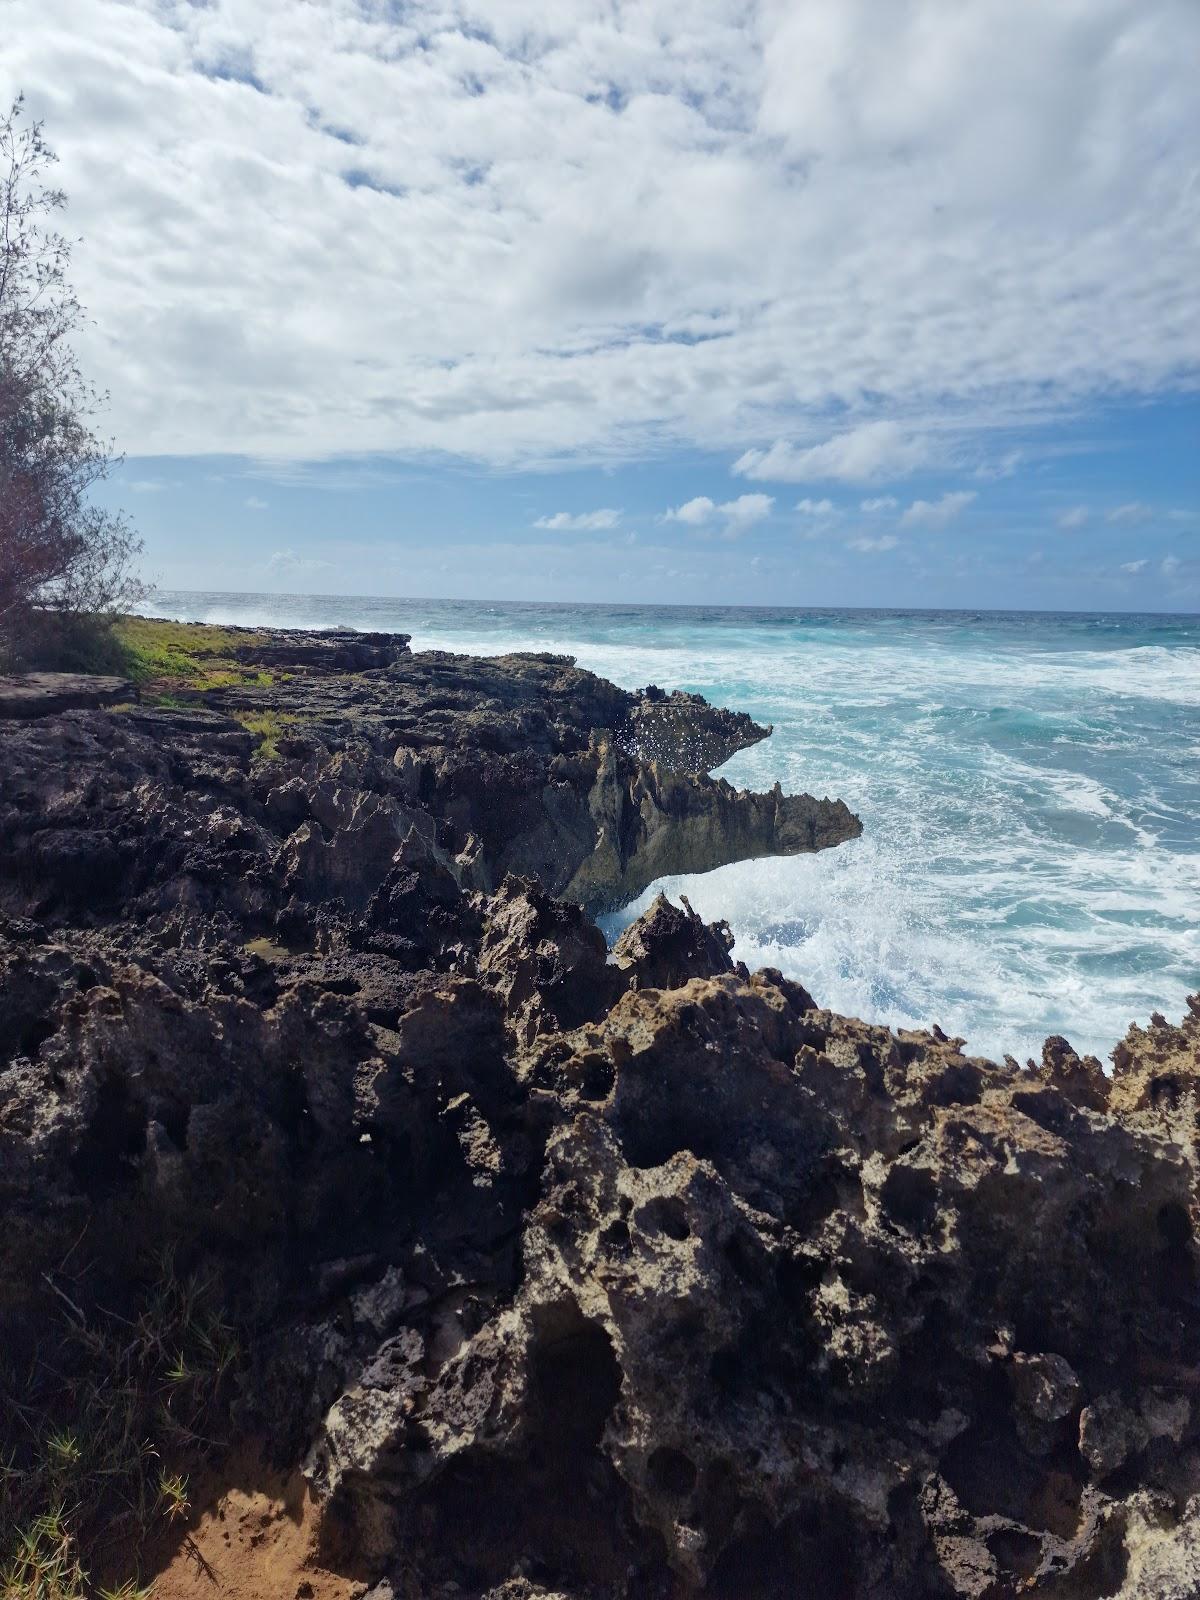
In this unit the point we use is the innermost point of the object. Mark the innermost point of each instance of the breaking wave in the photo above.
(1028, 786)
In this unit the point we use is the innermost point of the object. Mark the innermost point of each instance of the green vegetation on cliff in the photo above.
(162, 657)
(184, 655)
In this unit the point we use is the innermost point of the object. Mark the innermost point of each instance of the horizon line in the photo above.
(670, 605)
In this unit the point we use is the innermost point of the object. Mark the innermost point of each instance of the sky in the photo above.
(881, 302)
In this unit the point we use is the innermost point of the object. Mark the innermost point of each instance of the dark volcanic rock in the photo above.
(683, 732)
(42, 694)
(512, 765)
(601, 1276)
(669, 944)
(335, 650)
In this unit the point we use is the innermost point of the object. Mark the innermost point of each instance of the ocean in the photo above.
(1029, 786)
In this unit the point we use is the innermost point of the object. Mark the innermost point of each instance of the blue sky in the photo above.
(1100, 513)
(748, 301)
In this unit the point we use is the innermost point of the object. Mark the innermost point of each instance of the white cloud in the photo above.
(287, 561)
(887, 541)
(1170, 566)
(738, 515)
(883, 502)
(148, 485)
(1075, 518)
(694, 512)
(922, 218)
(1131, 513)
(746, 510)
(938, 513)
(1134, 566)
(874, 450)
(587, 521)
(255, 504)
(816, 508)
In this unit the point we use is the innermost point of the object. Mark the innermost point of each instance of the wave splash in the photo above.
(1028, 786)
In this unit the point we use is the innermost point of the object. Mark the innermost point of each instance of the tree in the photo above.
(60, 555)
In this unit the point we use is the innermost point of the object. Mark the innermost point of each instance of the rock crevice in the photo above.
(623, 1275)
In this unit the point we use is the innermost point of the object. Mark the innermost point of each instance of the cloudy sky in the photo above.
(779, 301)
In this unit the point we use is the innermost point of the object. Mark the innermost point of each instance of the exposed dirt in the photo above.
(258, 1539)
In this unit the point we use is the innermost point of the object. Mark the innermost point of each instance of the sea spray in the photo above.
(1028, 785)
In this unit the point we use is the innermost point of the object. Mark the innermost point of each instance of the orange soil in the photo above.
(255, 1543)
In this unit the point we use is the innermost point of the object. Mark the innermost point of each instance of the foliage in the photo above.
(97, 1432)
(59, 553)
(185, 654)
(268, 726)
(170, 658)
(56, 641)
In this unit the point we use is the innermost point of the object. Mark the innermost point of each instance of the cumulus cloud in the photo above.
(148, 485)
(351, 226)
(1131, 513)
(883, 502)
(1075, 518)
(585, 521)
(746, 510)
(1170, 566)
(866, 545)
(737, 515)
(816, 508)
(879, 449)
(255, 504)
(938, 513)
(694, 512)
(1134, 566)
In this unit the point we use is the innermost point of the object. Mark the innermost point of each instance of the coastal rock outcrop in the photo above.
(519, 764)
(625, 1275)
(41, 694)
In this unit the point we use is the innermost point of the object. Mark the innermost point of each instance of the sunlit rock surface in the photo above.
(573, 1273)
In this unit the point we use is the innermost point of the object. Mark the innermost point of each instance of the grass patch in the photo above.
(188, 655)
(267, 727)
(97, 1432)
(165, 657)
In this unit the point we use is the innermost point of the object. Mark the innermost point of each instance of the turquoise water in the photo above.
(1029, 786)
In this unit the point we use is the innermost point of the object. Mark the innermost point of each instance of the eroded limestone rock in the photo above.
(610, 1277)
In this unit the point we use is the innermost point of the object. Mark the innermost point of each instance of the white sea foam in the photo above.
(1031, 856)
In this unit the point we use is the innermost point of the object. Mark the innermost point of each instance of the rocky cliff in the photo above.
(564, 1272)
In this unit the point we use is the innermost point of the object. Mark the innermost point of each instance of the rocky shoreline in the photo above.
(561, 1272)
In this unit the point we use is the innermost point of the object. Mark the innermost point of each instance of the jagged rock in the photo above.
(502, 766)
(803, 1249)
(654, 823)
(683, 733)
(669, 944)
(546, 960)
(332, 650)
(569, 1275)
